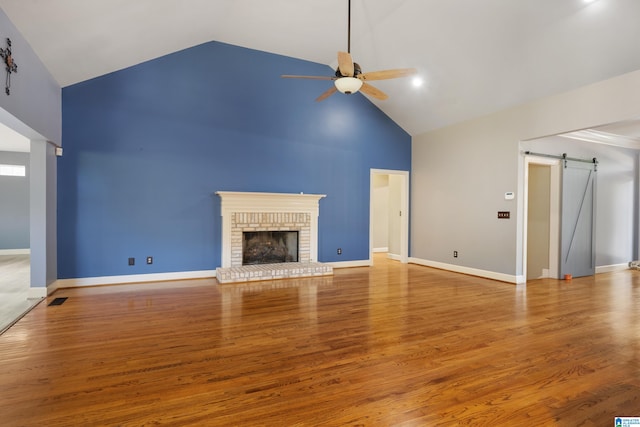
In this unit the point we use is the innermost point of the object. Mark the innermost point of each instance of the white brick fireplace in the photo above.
(245, 211)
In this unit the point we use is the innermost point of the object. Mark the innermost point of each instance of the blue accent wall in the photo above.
(147, 147)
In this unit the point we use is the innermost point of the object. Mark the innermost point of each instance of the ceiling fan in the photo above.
(349, 77)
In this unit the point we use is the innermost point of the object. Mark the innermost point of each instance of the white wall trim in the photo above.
(467, 270)
(611, 268)
(377, 250)
(15, 251)
(133, 278)
(394, 257)
(519, 279)
(349, 264)
(40, 292)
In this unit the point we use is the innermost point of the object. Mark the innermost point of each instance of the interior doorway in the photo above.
(22, 282)
(15, 277)
(389, 214)
(541, 218)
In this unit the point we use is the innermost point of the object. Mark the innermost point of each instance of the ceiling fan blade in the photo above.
(388, 74)
(375, 92)
(327, 94)
(345, 64)
(288, 76)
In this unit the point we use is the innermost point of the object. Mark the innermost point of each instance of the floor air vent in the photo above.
(58, 301)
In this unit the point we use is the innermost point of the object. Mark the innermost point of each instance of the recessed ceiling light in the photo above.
(417, 81)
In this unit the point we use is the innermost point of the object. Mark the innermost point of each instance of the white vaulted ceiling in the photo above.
(476, 56)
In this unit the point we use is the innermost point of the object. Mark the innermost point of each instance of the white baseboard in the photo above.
(394, 257)
(613, 267)
(15, 251)
(41, 292)
(468, 270)
(133, 278)
(519, 279)
(385, 249)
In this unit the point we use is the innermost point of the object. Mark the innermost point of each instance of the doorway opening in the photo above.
(541, 218)
(15, 273)
(20, 285)
(389, 214)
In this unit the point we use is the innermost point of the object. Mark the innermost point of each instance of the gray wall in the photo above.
(460, 174)
(43, 215)
(459, 177)
(14, 204)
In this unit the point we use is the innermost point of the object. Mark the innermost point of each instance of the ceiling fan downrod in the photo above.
(349, 30)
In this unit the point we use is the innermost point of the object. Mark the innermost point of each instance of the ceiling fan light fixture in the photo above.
(348, 85)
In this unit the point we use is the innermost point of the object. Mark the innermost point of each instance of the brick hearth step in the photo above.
(251, 273)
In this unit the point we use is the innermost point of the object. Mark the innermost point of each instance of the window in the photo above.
(12, 170)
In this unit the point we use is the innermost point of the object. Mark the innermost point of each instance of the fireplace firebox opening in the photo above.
(269, 247)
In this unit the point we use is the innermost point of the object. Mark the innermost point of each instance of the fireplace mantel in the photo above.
(233, 201)
(234, 204)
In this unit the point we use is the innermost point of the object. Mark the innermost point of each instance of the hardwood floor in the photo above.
(389, 345)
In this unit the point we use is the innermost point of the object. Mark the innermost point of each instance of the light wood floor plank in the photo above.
(389, 345)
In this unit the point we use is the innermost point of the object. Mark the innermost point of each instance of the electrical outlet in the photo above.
(455, 254)
(132, 261)
(339, 251)
(149, 260)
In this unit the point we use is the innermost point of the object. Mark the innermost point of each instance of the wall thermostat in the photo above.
(509, 195)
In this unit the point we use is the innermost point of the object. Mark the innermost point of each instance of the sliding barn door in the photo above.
(577, 246)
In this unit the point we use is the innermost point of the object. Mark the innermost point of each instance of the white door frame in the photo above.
(404, 209)
(554, 213)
